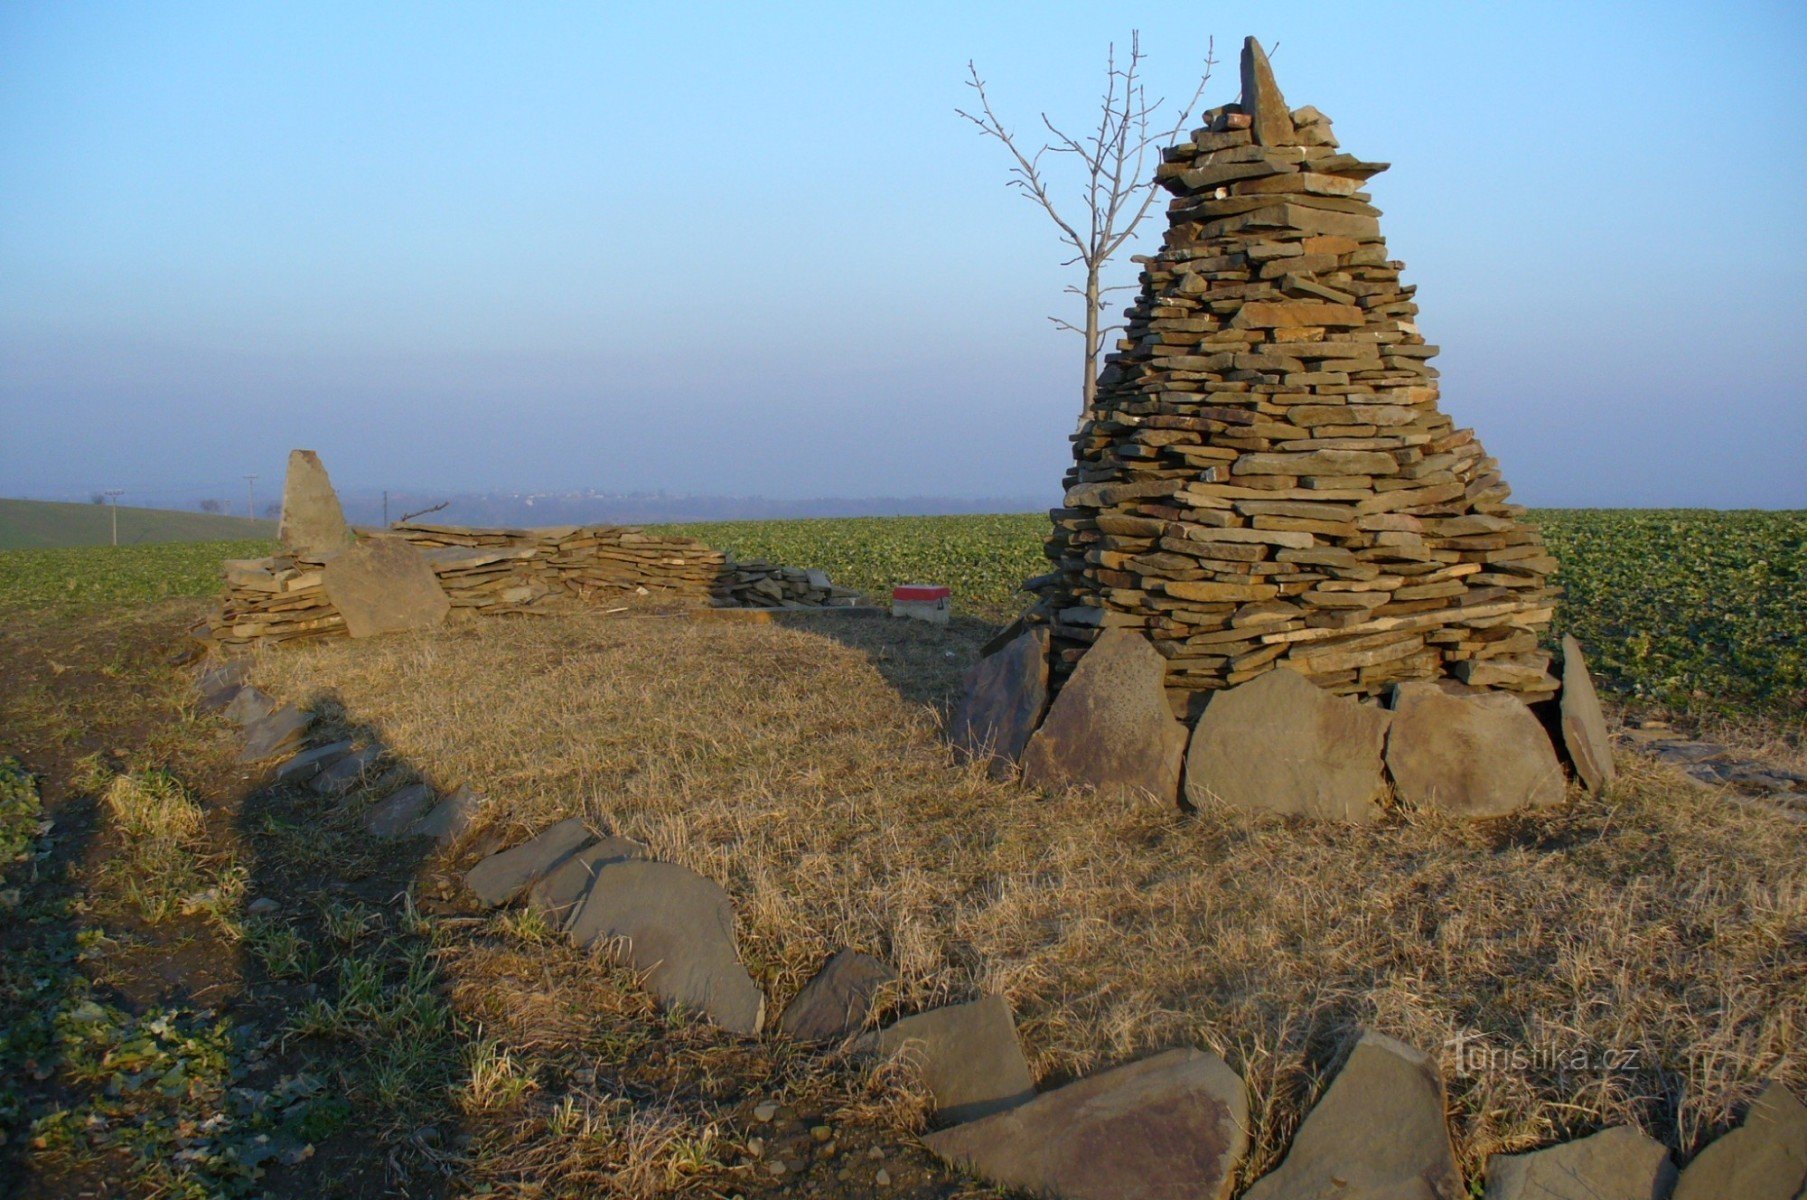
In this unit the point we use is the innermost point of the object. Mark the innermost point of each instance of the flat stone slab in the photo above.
(308, 763)
(1377, 1132)
(837, 1000)
(1765, 1158)
(1006, 695)
(1615, 1164)
(1282, 744)
(395, 815)
(968, 1055)
(678, 928)
(1484, 755)
(384, 585)
(312, 524)
(218, 684)
(349, 771)
(503, 876)
(1171, 1127)
(1584, 733)
(248, 705)
(450, 818)
(556, 894)
(278, 733)
(1111, 727)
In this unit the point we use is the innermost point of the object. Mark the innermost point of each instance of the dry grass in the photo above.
(1645, 954)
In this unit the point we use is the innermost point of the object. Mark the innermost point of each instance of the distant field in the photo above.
(46, 524)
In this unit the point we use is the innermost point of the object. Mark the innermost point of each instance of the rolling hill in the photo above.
(45, 523)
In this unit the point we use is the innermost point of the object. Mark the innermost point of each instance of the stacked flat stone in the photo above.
(1265, 479)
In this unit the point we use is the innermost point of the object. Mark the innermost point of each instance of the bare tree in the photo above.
(1119, 188)
(210, 506)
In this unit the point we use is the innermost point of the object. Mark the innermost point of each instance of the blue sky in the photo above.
(749, 249)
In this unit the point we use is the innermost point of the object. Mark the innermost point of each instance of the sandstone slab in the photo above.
(1376, 1133)
(308, 763)
(384, 585)
(837, 1000)
(556, 894)
(313, 525)
(1282, 744)
(1171, 1127)
(1006, 695)
(1483, 755)
(395, 815)
(219, 683)
(1270, 120)
(278, 733)
(1111, 727)
(503, 876)
(248, 705)
(968, 1055)
(678, 928)
(349, 771)
(1765, 1158)
(1584, 733)
(449, 819)
(1615, 1164)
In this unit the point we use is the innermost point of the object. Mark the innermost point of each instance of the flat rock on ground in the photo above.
(1006, 695)
(1111, 727)
(308, 763)
(1615, 1164)
(312, 521)
(1584, 733)
(384, 585)
(248, 704)
(1377, 1133)
(278, 733)
(1282, 744)
(395, 815)
(1484, 755)
(349, 771)
(504, 875)
(679, 930)
(837, 1000)
(1171, 1127)
(450, 817)
(1765, 1158)
(555, 895)
(968, 1055)
(217, 684)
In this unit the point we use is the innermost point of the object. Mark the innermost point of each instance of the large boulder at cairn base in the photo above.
(1763, 1159)
(1584, 733)
(678, 928)
(313, 525)
(1282, 744)
(968, 1055)
(1111, 727)
(384, 585)
(1615, 1164)
(1480, 755)
(1376, 1134)
(1171, 1127)
(1006, 695)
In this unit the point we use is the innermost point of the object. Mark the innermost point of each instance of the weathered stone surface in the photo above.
(1111, 727)
(308, 763)
(450, 817)
(384, 585)
(1377, 1133)
(679, 929)
(1765, 1158)
(248, 705)
(349, 771)
(219, 683)
(1584, 733)
(1615, 1164)
(313, 524)
(968, 1055)
(395, 815)
(1484, 755)
(836, 1001)
(1282, 744)
(278, 733)
(1006, 695)
(503, 876)
(556, 894)
(1171, 1127)
(1271, 120)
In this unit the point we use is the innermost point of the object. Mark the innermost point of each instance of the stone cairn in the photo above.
(329, 583)
(1265, 479)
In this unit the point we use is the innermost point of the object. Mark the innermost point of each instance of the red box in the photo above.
(921, 592)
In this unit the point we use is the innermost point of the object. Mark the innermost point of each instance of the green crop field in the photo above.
(45, 523)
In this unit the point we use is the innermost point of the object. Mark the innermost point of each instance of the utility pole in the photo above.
(113, 496)
(385, 508)
(250, 505)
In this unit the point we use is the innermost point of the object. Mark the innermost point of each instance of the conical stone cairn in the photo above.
(1265, 479)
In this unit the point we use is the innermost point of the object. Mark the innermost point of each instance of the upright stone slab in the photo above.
(1282, 744)
(968, 1055)
(1377, 1132)
(1111, 727)
(1483, 755)
(678, 928)
(557, 893)
(1615, 1164)
(384, 585)
(1006, 695)
(1171, 1127)
(1584, 733)
(837, 1000)
(1765, 1158)
(503, 876)
(1271, 122)
(313, 525)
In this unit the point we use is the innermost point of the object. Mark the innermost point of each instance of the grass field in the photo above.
(47, 524)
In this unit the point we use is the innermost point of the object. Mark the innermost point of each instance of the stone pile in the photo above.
(1265, 479)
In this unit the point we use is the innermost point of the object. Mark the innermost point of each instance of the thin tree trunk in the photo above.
(1090, 390)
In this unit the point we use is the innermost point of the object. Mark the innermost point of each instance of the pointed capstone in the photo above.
(1261, 98)
(313, 524)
